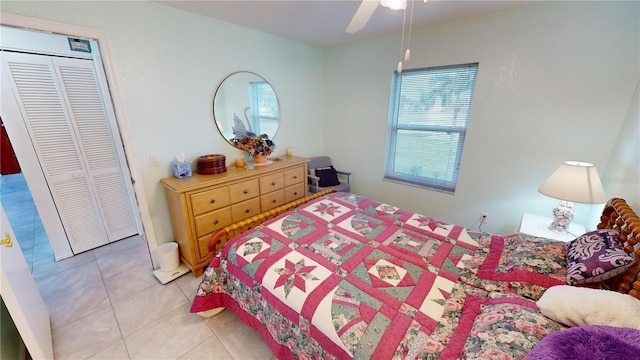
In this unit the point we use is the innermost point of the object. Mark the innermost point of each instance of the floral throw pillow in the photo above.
(519, 263)
(469, 275)
(596, 256)
(525, 258)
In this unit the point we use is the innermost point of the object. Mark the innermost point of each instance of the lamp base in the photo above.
(562, 216)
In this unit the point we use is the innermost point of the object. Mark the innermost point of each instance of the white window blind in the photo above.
(428, 117)
(264, 108)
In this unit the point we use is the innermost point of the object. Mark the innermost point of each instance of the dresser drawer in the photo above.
(203, 246)
(245, 209)
(271, 183)
(272, 200)
(294, 192)
(243, 191)
(294, 176)
(206, 201)
(209, 222)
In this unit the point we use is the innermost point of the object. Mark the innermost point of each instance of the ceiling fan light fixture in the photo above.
(394, 4)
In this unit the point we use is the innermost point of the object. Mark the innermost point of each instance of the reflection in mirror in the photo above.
(244, 102)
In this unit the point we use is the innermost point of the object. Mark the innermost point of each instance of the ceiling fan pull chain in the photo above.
(407, 54)
(404, 21)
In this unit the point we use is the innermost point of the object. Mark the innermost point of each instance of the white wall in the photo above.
(168, 65)
(622, 175)
(553, 84)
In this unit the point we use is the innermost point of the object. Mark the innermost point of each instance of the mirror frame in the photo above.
(218, 116)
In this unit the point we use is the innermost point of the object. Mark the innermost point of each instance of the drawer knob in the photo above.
(274, 201)
(213, 201)
(295, 176)
(295, 193)
(273, 183)
(247, 211)
(246, 191)
(216, 222)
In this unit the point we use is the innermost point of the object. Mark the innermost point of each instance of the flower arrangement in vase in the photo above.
(258, 146)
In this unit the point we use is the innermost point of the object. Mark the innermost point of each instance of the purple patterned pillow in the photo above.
(596, 256)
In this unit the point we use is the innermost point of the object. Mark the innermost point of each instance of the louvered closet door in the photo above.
(95, 137)
(63, 111)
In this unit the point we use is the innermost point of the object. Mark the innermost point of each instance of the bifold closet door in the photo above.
(63, 110)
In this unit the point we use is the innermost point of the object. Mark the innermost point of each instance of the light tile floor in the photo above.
(23, 216)
(106, 303)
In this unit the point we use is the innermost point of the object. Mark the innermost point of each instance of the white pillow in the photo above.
(575, 306)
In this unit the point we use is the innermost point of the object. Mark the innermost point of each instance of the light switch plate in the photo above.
(155, 159)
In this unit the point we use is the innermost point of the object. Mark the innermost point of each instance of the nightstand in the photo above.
(536, 225)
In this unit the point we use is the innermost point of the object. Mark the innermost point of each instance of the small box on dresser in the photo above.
(202, 204)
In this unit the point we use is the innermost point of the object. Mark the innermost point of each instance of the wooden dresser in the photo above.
(201, 204)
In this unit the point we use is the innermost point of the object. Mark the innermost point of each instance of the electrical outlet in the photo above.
(484, 217)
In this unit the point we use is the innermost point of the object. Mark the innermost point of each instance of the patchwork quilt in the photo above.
(345, 276)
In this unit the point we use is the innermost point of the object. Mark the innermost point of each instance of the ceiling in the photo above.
(322, 23)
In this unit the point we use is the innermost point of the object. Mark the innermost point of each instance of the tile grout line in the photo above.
(203, 321)
(111, 300)
(124, 343)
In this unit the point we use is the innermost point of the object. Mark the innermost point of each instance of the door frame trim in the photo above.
(141, 201)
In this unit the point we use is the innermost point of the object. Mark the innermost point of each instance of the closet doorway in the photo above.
(59, 117)
(8, 161)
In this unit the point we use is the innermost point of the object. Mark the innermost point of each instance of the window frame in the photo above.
(393, 129)
(256, 98)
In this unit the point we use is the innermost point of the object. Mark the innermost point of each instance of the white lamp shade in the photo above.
(394, 4)
(575, 181)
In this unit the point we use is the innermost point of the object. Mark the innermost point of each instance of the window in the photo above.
(428, 116)
(262, 98)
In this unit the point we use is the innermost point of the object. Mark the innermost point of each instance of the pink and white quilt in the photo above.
(345, 276)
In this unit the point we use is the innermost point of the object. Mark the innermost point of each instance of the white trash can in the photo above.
(168, 257)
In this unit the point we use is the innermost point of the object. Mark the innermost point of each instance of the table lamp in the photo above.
(572, 182)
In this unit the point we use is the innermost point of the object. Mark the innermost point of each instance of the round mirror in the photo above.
(245, 102)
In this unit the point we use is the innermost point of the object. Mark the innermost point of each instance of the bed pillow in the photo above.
(500, 327)
(519, 263)
(596, 256)
(328, 176)
(577, 306)
(588, 342)
(469, 276)
(525, 258)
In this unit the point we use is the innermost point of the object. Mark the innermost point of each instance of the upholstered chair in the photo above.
(322, 175)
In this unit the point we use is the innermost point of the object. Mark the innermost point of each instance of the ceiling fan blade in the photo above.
(362, 16)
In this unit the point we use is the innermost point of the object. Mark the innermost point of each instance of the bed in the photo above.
(343, 276)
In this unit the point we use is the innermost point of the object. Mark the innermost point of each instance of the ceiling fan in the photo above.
(366, 9)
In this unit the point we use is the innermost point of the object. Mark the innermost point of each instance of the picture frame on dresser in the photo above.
(202, 204)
